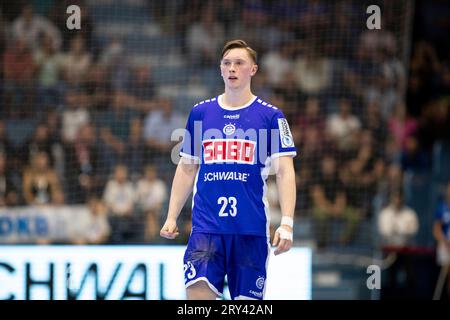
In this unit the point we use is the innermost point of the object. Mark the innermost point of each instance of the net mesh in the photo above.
(87, 115)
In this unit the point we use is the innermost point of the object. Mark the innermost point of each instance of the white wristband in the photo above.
(288, 221)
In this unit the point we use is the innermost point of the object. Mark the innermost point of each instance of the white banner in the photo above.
(126, 272)
(54, 223)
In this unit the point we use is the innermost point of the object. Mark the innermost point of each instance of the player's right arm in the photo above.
(182, 185)
(439, 235)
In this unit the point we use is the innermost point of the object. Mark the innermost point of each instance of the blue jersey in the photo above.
(443, 216)
(235, 148)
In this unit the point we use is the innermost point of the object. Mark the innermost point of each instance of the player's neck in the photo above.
(236, 99)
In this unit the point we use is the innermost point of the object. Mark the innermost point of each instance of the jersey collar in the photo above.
(219, 101)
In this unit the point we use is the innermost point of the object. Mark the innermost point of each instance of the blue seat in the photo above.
(119, 12)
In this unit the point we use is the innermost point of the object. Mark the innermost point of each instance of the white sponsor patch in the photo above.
(285, 133)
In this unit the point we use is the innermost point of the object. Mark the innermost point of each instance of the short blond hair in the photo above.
(239, 44)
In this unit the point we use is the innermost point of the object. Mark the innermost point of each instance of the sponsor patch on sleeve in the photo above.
(285, 133)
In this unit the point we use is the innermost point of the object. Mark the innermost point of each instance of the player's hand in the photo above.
(282, 239)
(169, 229)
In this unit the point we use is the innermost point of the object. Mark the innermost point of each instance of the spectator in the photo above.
(278, 63)
(204, 38)
(397, 223)
(311, 118)
(372, 170)
(254, 22)
(48, 62)
(425, 63)
(119, 197)
(113, 57)
(158, 127)
(344, 28)
(288, 89)
(388, 84)
(136, 152)
(435, 123)
(414, 158)
(343, 126)
(441, 233)
(83, 171)
(393, 69)
(356, 184)
(372, 121)
(8, 193)
(75, 114)
(367, 153)
(52, 120)
(18, 71)
(6, 148)
(424, 67)
(40, 141)
(115, 126)
(378, 89)
(99, 229)
(29, 26)
(142, 88)
(373, 44)
(40, 182)
(12, 157)
(98, 87)
(312, 73)
(151, 194)
(390, 183)
(358, 72)
(76, 62)
(330, 203)
(313, 147)
(401, 126)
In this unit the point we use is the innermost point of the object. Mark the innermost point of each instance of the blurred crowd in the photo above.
(361, 112)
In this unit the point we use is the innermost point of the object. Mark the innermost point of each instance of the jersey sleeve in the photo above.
(191, 147)
(282, 142)
(438, 213)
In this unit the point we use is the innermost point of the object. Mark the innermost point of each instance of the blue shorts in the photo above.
(242, 258)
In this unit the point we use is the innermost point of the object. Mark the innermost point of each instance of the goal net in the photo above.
(87, 114)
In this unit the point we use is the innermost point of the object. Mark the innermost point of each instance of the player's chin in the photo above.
(232, 84)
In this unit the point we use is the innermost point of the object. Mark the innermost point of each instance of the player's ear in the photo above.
(254, 69)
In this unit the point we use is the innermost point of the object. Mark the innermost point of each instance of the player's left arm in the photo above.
(285, 174)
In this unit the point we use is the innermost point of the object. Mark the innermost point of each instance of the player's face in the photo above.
(237, 68)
